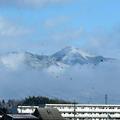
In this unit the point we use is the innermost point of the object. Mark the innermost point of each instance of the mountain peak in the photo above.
(71, 56)
(68, 48)
(74, 50)
(71, 52)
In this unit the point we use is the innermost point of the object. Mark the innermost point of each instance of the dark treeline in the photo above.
(39, 100)
(11, 105)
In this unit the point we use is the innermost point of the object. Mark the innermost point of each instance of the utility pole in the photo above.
(106, 99)
(74, 112)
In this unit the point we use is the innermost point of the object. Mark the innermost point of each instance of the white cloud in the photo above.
(12, 61)
(31, 3)
(104, 42)
(13, 36)
(67, 35)
(55, 22)
(71, 84)
(9, 29)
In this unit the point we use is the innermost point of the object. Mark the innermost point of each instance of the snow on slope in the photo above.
(58, 61)
(72, 56)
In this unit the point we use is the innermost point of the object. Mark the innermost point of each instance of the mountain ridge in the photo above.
(68, 56)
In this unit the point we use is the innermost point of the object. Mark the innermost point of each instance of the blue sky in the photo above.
(45, 26)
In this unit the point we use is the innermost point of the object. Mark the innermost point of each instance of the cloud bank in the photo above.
(85, 84)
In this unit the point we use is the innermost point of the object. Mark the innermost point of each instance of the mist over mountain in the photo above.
(66, 57)
(69, 74)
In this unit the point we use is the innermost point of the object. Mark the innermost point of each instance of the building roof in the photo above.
(28, 106)
(2, 111)
(22, 116)
(48, 114)
(83, 105)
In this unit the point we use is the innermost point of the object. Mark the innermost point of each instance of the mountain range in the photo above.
(66, 57)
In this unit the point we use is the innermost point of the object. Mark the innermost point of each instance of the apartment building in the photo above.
(88, 111)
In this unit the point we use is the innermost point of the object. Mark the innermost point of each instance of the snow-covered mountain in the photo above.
(73, 56)
(67, 74)
(68, 56)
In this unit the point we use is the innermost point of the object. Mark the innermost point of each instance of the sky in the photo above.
(45, 26)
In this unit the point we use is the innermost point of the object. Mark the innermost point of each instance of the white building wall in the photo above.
(26, 109)
(88, 111)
